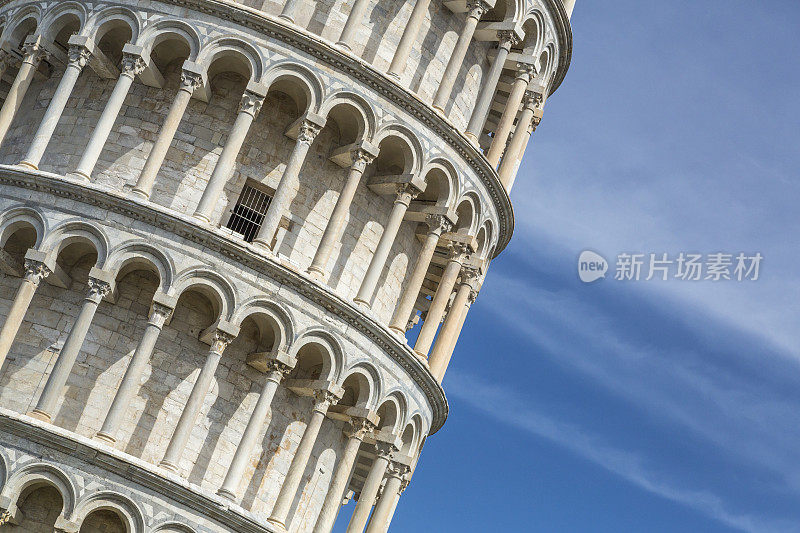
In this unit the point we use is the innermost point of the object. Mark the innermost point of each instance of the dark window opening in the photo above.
(248, 214)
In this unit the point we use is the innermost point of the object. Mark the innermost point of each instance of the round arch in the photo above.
(128, 254)
(20, 216)
(42, 474)
(74, 231)
(329, 349)
(217, 289)
(124, 507)
(278, 319)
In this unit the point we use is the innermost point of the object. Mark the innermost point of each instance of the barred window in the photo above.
(248, 214)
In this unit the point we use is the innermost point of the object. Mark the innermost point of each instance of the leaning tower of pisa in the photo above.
(239, 240)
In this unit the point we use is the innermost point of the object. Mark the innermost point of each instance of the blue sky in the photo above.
(639, 407)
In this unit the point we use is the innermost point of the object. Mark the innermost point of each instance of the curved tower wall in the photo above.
(239, 244)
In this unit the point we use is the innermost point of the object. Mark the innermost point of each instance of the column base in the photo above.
(105, 437)
(139, 194)
(342, 44)
(201, 217)
(79, 175)
(287, 18)
(394, 75)
(437, 108)
(261, 246)
(170, 467)
(398, 331)
(421, 355)
(41, 415)
(228, 495)
(27, 164)
(316, 273)
(276, 522)
(362, 303)
(472, 137)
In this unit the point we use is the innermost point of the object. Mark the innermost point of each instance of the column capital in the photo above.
(132, 64)
(470, 276)
(384, 450)
(457, 251)
(477, 8)
(525, 72)
(358, 428)
(159, 314)
(190, 81)
(404, 483)
(34, 52)
(98, 289)
(250, 103)
(406, 192)
(532, 99)
(324, 398)
(308, 132)
(438, 223)
(36, 271)
(397, 469)
(220, 340)
(361, 158)
(79, 55)
(508, 38)
(278, 367)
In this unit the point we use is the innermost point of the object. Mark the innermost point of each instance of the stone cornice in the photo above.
(186, 228)
(564, 32)
(170, 486)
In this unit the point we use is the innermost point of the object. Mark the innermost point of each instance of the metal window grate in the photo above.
(247, 216)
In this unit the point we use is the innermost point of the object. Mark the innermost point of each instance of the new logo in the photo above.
(591, 266)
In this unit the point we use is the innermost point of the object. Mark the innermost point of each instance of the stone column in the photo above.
(34, 53)
(509, 163)
(355, 433)
(353, 22)
(370, 489)
(405, 193)
(35, 272)
(521, 151)
(193, 405)
(437, 224)
(488, 86)
(476, 9)
(249, 107)
(289, 9)
(439, 303)
(276, 371)
(396, 500)
(333, 231)
(79, 55)
(410, 34)
(287, 186)
(280, 512)
(447, 335)
(98, 288)
(452, 345)
(132, 66)
(189, 82)
(394, 481)
(130, 383)
(525, 73)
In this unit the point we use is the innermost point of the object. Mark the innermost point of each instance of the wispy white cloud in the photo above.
(741, 419)
(631, 466)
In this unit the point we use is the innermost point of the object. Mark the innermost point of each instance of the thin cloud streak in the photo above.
(743, 421)
(625, 464)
